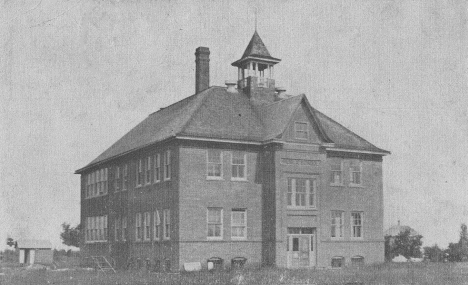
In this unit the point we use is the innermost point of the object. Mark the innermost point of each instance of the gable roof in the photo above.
(277, 116)
(217, 114)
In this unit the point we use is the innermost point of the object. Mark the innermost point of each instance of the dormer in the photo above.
(256, 71)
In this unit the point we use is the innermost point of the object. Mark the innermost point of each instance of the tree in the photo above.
(403, 244)
(70, 235)
(11, 242)
(434, 253)
(463, 243)
(453, 252)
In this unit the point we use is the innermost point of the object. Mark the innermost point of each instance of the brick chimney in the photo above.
(202, 69)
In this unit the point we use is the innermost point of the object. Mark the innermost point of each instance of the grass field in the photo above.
(411, 273)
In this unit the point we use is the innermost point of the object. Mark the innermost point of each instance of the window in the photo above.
(117, 179)
(167, 165)
(146, 226)
(301, 193)
(337, 224)
(102, 184)
(215, 223)
(238, 224)
(148, 170)
(337, 262)
(355, 173)
(156, 225)
(157, 168)
(138, 233)
(357, 260)
(336, 173)
(139, 173)
(97, 183)
(301, 130)
(96, 229)
(88, 185)
(124, 229)
(356, 224)
(104, 220)
(167, 223)
(214, 164)
(118, 230)
(238, 165)
(125, 177)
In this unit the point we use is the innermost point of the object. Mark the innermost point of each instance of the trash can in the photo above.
(238, 262)
(217, 263)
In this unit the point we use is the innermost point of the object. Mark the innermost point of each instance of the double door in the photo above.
(301, 252)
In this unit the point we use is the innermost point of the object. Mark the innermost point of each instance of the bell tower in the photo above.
(256, 71)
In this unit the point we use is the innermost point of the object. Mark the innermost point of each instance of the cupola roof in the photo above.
(256, 49)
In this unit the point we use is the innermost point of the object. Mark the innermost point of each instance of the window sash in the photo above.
(167, 165)
(124, 229)
(139, 172)
(125, 177)
(214, 163)
(355, 173)
(301, 193)
(167, 223)
(138, 233)
(157, 168)
(337, 224)
(356, 224)
(156, 225)
(239, 165)
(117, 179)
(96, 229)
(146, 226)
(239, 224)
(336, 173)
(148, 170)
(214, 223)
(117, 233)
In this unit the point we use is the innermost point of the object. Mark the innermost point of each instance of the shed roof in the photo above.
(33, 243)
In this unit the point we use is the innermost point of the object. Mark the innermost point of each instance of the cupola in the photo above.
(256, 70)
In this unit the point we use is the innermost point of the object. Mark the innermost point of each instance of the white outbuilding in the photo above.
(35, 251)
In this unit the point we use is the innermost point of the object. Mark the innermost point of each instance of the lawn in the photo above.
(410, 273)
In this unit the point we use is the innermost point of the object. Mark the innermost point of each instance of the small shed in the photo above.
(35, 251)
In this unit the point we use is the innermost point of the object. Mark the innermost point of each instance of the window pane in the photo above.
(295, 244)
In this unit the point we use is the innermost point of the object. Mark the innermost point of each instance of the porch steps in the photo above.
(102, 264)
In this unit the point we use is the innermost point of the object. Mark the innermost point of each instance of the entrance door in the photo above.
(301, 251)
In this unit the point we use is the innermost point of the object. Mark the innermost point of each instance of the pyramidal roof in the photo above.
(256, 49)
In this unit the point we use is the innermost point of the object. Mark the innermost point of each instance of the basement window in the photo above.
(337, 262)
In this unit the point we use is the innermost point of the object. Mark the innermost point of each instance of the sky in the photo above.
(75, 76)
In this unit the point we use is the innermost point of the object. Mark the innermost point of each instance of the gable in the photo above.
(302, 127)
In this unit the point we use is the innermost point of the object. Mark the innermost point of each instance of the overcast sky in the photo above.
(75, 76)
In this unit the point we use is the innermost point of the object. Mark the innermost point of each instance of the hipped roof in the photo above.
(216, 113)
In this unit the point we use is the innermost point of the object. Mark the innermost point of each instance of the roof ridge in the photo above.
(183, 100)
(283, 100)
